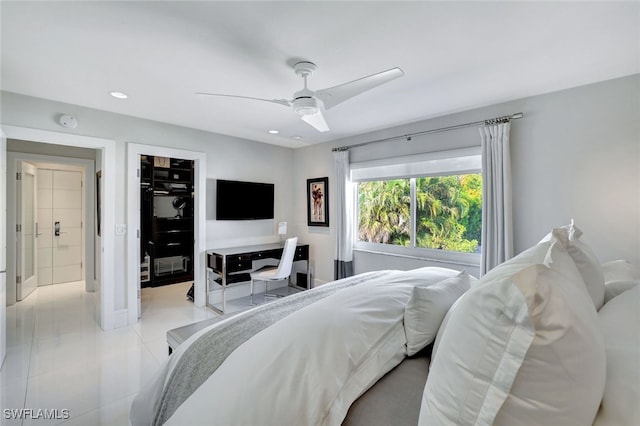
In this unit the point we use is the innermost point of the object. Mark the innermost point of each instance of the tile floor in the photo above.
(59, 358)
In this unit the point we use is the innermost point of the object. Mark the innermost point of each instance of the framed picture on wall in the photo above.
(318, 202)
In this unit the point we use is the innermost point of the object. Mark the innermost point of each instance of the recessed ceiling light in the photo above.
(119, 95)
(296, 137)
(274, 132)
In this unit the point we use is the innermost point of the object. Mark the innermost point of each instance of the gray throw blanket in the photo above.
(154, 406)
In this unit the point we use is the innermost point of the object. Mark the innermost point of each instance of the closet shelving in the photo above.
(166, 188)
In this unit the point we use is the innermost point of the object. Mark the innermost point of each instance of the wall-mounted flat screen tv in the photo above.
(238, 200)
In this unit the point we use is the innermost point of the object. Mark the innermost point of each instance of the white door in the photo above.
(26, 253)
(67, 250)
(60, 213)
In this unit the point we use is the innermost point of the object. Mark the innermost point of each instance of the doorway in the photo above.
(106, 313)
(54, 237)
(134, 174)
(166, 219)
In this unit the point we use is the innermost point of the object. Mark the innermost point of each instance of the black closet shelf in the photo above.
(161, 184)
(170, 251)
(173, 192)
(166, 226)
(187, 182)
(169, 279)
(173, 219)
(177, 163)
(171, 241)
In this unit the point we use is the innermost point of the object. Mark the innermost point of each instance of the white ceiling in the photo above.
(455, 55)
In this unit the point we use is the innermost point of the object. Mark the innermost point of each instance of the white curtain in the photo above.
(497, 228)
(343, 263)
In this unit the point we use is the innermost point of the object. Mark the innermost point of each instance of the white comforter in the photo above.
(310, 366)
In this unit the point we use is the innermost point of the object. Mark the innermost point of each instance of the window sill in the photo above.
(424, 254)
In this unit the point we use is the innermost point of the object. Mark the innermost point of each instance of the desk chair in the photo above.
(276, 273)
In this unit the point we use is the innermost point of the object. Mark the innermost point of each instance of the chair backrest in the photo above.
(286, 261)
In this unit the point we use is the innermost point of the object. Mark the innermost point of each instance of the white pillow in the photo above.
(531, 256)
(586, 260)
(614, 288)
(620, 322)
(618, 270)
(424, 276)
(515, 351)
(427, 307)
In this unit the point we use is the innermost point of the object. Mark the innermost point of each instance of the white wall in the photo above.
(29, 147)
(227, 158)
(575, 154)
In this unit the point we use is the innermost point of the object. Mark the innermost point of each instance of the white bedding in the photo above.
(310, 366)
(620, 322)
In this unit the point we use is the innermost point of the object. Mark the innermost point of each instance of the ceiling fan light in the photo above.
(305, 106)
(306, 111)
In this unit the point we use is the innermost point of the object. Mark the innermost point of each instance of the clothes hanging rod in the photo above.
(408, 136)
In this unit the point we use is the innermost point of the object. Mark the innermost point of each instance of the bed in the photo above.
(532, 342)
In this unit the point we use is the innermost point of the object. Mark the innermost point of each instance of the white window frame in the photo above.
(441, 163)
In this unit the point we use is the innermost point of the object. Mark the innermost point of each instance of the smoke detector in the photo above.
(68, 121)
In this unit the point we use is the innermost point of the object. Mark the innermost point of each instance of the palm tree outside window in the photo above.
(442, 212)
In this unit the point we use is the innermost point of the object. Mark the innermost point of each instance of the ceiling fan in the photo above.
(309, 104)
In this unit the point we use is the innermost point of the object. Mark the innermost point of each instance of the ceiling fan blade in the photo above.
(317, 121)
(275, 101)
(337, 94)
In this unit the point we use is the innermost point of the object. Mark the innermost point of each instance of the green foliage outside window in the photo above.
(448, 212)
(385, 211)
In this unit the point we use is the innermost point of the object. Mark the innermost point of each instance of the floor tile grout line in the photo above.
(33, 336)
(159, 361)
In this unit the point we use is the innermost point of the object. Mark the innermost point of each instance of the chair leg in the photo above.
(267, 294)
(251, 291)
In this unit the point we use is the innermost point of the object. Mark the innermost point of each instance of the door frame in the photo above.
(134, 151)
(88, 177)
(105, 289)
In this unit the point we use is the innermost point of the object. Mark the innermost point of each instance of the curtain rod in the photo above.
(503, 119)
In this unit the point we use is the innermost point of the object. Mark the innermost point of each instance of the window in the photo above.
(435, 206)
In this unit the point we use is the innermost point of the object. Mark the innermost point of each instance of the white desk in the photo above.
(234, 264)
